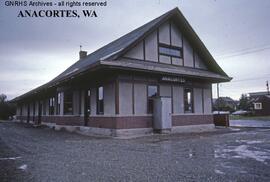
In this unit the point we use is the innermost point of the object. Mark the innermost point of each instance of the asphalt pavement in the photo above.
(250, 123)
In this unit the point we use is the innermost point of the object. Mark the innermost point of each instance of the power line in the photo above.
(250, 79)
(247, 79)
(245, 49)
(243, 53)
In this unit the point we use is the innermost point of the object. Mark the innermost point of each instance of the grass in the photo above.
(260, 118)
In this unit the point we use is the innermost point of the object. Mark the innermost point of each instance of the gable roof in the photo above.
(120, 46)
(260, 98)
(117, 48)
(227, 99)
(254, 94)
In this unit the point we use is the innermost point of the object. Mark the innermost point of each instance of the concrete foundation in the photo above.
(91, 131)
(126, 126)
(194, 128)
(126, 133)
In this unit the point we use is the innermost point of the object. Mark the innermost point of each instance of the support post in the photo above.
(218, 96)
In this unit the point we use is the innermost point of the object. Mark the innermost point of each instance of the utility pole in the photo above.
(267, 87)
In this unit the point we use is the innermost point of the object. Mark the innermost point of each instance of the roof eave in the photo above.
(55, 83)
(115, 65)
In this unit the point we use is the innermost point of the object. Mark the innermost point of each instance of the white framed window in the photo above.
(51, 105)
(58, 103)
(257, 106)
(100, 100)
(188, 100)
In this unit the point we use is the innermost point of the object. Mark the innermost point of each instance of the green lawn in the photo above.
(261, 118)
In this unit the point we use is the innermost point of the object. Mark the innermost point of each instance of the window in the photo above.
(188, 100)
(88, 103)
(68, 103)
(44, 108)
(40, 108)
(171, 51)
(100, 104)
(28, 112)
(21, 109)
(258, 106)
(34, 111)
(51, 106)
(152, 91)
(58, 103)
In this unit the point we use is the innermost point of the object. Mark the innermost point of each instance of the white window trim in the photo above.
(257, 105)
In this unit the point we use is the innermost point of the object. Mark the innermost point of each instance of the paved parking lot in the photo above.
(41, 154)
(250, 123)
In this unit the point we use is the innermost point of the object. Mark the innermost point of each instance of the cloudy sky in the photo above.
(35, 50)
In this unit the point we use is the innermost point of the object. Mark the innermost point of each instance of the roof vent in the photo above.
(83, 54)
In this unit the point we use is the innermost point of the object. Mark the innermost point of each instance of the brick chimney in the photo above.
(83, 54)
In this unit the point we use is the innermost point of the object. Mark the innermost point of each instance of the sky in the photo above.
(236, 32)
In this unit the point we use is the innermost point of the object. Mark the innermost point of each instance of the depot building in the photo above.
(155, 78)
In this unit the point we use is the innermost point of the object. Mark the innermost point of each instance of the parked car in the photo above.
(241, 112)
(221, 112)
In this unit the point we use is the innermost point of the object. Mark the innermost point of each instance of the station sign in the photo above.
(173, 79)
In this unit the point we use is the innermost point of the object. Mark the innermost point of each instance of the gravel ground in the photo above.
(41, 154)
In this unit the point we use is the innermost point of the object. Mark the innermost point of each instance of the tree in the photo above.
(7, 109)
(3, 98)
(224, 104)
(244, 103)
